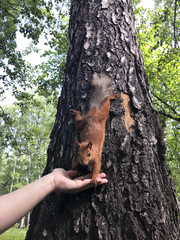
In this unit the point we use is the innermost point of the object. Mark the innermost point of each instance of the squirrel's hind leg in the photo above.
(103, 111)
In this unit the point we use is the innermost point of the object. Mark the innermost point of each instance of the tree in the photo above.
(139, 201)
(155, 32)
(162, 58)
(27, 17)
(33, 19)
(24, 139)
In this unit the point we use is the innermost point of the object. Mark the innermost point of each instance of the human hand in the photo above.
(65, 181)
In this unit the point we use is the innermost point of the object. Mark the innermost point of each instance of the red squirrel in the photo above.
(92, 125)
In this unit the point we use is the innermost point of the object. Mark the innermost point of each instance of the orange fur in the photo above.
(92, 133)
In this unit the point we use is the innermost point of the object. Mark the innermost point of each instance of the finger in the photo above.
(100, 175)
(87, 176)
(102, 181)
(86, 183)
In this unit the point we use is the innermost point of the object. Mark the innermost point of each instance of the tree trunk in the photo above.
(38, 158)
(28, 219)
(29, 179)
(13, 173)
(22, 223)
(139, 201)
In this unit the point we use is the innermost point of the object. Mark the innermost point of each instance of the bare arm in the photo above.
(16, 204)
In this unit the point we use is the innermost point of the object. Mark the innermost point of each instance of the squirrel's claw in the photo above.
(115, 95)
(94, 181)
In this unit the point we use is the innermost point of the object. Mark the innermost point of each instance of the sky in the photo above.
(148, 3)
(35, 58)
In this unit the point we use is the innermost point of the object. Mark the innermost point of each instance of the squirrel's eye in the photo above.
(89, 154)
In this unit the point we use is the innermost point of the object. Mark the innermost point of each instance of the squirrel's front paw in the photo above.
(115, 95)
(94, 181)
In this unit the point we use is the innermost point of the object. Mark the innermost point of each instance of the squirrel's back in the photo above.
(101, 88)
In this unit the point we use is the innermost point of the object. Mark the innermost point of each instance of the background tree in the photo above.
(36, 21)
(155, 32)
(139, 201)
(24, 143)
(27, 17)
(156, 29)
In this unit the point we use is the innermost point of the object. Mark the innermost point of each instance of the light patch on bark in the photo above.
(114, 18)
(98, 38)
(127, 19)
(127, 119)
(108, 55)
(76, 225)
(136, 103)
(125, 141)
(44, 233)
(108, 164)
(86, 45)
(105, 4)
(153, 140)
(163, 214)
(123, 59)
(88, 31)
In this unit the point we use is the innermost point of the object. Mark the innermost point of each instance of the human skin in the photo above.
(16, 204)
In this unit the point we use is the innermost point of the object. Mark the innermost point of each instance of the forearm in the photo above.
(16, 204)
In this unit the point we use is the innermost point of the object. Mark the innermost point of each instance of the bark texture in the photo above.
(139, 201)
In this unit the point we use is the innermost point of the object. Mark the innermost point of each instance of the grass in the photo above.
(14, 234)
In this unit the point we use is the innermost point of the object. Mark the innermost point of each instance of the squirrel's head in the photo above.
(84, 154)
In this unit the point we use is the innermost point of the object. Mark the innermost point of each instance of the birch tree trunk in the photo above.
(22, 223)
(38, 158)
(139, 201)
(13, 173)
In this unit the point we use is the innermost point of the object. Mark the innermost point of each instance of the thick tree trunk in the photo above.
(139, 201)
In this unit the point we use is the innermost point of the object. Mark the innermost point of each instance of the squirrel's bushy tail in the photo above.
(101, 88)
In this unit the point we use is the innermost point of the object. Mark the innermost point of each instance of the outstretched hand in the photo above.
(65, 181)
(16, 204)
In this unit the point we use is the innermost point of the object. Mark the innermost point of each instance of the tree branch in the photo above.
(175, 13)
(169, 106)
(169, 116)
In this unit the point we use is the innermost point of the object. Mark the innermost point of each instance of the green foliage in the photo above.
(32, 19)
(173, 153)
(25, 127)
(14, 233)
(50, 74)
(162, 61)
(158, 39)
(135, 3)
(162, 58)
(24, 151)
(28, 17)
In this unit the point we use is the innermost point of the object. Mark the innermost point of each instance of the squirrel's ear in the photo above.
(78, 144)
(89, 145)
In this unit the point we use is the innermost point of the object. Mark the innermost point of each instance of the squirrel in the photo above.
(91, 126)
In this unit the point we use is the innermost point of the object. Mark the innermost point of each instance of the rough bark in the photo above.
(139, 201)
